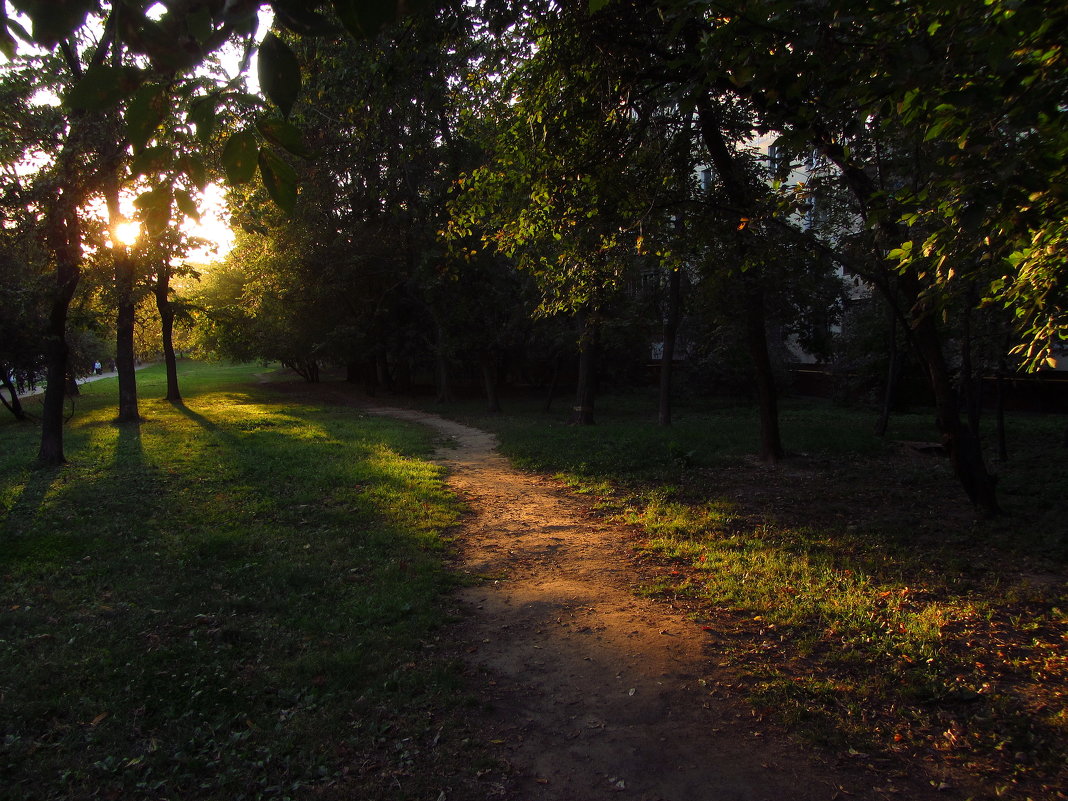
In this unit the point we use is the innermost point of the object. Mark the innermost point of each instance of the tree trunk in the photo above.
(64, 234)
(667, 357)
(893, 378)
(740, 191)
(14, 405)
(370, 377)
(489, 382)
(554, 382)
(125, 318)
(756, 336)
(963, 446)
(166, 316)
(970, 390)
(382, 374)
(1003, 448)
(441, 367)
(585, 390)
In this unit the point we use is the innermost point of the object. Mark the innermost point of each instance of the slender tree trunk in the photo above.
(667, 357)
(64, 234)
(739, 190)
(441, 367)
(382, 374)
(125, 316)
(963, 446)
(14, 405)
(166, 316)
(771, 450)
(968, 387)
(554, 382)
(585, 390)
(1003, 448)
(489, 382)
(370, 377)
(893, 378)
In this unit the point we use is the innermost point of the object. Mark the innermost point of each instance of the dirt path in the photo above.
(597, 693)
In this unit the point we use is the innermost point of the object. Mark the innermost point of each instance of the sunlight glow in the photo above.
(127, 233)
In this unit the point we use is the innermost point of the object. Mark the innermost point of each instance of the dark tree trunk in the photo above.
(382, 374)
(14, 405)
(969, 388)
(64, 235)
(166, 316)
(963, 446)
(756, 336)
(739, 190)
(893, 378)
(586, 387)
(125, 317)
(554, 382)
(124, 343)
(370, 377)
(489, 382)
(441, 367)
(308, 369)
(667, 357)
(1003, 448)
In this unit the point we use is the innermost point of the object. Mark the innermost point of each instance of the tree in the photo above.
(961, 104)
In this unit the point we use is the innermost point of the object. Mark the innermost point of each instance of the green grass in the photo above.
(626, 443)
(240, 597)
(862, 602)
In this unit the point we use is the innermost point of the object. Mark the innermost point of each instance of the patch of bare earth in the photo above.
(593, 692)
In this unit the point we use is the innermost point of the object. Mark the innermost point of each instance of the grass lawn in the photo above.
(850, 590)
(240, 598)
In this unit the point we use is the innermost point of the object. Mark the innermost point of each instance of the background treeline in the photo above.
(539, 193)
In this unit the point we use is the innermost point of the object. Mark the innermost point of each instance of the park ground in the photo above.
(269, 591)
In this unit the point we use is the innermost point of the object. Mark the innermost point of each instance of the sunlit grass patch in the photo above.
(219, 600)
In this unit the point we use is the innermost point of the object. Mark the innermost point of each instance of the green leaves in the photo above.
(239, 157)
(103, 87)
(242, 155)
(55, 20)
(365, 18)
(279, 73)
(145, 112)
(279, 180)
(155, 208)
(203, 115)
(284, 135)
(294, 15)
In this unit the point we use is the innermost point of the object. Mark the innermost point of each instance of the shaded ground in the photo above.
(596, 693)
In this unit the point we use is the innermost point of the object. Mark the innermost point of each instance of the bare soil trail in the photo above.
(596, 693)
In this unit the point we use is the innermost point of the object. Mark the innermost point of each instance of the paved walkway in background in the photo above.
(85, 380)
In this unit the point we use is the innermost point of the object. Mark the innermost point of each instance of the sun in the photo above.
(127, 233)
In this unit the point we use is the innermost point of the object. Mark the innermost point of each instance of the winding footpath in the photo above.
(596, 693)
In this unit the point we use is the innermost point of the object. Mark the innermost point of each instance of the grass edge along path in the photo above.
(240, 598)
(850, 591)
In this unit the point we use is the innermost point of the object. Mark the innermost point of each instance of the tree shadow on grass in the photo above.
(197, 418)
(30, 499)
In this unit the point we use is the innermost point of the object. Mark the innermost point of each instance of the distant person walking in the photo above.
(98, 368)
